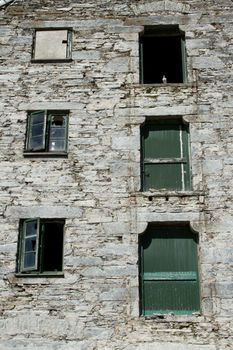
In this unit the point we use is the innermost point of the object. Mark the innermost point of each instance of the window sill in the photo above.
(174, 318)
(45, 154)
(166, 193)
(62, 60)
(162, 85)
(40, 275)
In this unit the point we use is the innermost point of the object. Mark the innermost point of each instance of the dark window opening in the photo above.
(162, 56)
(52, 247)
(40, 246)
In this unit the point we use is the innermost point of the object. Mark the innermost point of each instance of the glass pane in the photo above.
(171, 296)
(163, 176)
(37, 142)
(29, 260)
(57, 145)
(37, 129)
(30, 244)
(37, 117)
(162, 141)
(36, 139)
(57, 133)
(31, 228)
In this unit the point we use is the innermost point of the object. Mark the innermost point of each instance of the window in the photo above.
(165, 155)
(47, 131)
(162, 55)
(53, 44)
(40, 246)
(169, 270)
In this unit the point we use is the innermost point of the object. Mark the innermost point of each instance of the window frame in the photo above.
(37, 270)
(183, 160)
(68, 57)
(163, 31)
(44, 150)
(190, 277)
(23, 244)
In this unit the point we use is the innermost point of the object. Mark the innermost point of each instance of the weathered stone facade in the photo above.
(97, 187)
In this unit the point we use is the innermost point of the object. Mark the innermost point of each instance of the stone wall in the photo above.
(97, 187)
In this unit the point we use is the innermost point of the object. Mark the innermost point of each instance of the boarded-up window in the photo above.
(52, 44)
(169, 270)
(162, 55)
(165, 155)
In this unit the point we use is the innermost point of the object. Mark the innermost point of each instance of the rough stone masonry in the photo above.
(96, 188)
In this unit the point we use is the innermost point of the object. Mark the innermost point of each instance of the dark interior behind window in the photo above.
(53, 247)
(162, 55)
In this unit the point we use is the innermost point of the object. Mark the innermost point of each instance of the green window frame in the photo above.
(52, 45)
(47, 131)
(169, 280)
(40, 248)
(165, 155)
(162, 52)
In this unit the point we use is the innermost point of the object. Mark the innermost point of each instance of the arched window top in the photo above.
(169, 269)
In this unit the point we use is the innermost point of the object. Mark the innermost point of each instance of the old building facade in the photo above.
(116, 174)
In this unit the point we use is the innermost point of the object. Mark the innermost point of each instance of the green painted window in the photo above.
(169, 270)
(47, 131)
(165, 155)
(40, 248)
(162, 55)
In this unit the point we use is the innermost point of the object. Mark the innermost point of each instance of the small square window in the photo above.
(162, 55)
(52, 45)
(169, 270)
(165, 155)
(40, 248)
(47, 131)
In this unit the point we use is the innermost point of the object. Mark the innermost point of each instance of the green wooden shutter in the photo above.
(30, 242)
(165, 160)
(186, 164)
(169, 271)
(36, 131)
(58, 125)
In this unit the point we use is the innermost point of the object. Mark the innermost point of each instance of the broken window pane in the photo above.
(57, 140)
(47, 131)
